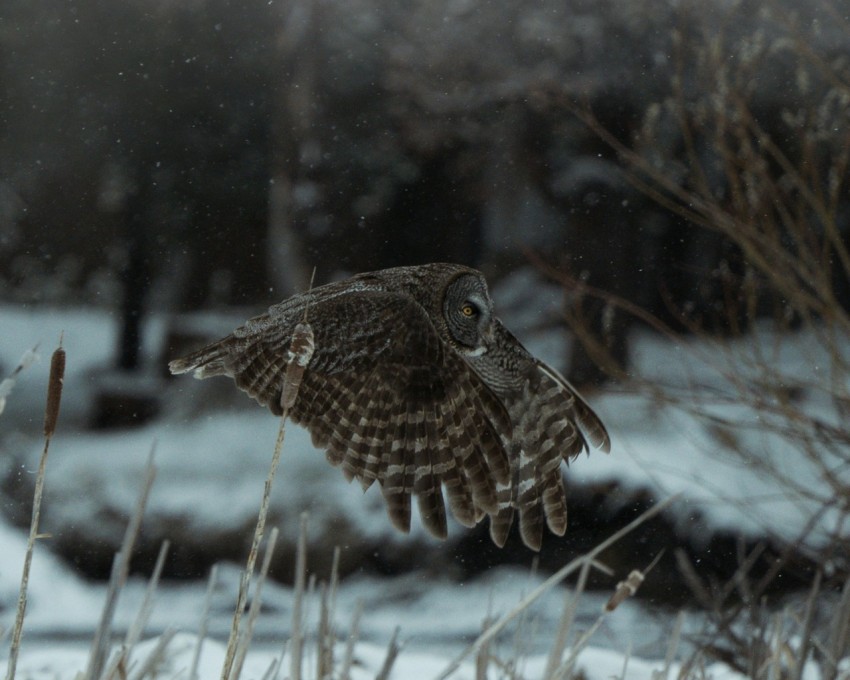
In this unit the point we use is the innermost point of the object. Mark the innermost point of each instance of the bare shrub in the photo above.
(751, 144)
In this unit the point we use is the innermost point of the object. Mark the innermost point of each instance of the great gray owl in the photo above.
(416, 384)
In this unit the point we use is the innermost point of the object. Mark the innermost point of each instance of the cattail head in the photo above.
(54, 390)
(299, 355)
(625, 589)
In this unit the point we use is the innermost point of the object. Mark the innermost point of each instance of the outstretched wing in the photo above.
(551, 423)
(384, 396)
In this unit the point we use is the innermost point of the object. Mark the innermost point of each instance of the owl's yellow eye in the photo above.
(468, 310)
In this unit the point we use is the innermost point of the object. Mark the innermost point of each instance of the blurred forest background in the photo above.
(178, 155)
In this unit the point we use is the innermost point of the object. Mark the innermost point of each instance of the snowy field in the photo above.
(211, 467)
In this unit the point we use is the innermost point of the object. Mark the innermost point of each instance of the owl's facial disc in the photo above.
(468, 312)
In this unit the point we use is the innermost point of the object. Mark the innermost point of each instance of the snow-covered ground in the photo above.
(212, 464)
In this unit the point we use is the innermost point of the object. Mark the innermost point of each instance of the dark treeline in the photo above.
(213, 152)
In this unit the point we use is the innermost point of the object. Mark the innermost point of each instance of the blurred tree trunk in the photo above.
(604, 251)
(517, 214)
(293, 140)
(135, 278)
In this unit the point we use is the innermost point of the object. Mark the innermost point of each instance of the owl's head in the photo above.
(468, 311)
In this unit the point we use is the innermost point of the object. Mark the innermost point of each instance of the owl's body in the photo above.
(414, 383)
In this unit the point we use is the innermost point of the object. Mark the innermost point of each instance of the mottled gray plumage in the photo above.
(416, 384)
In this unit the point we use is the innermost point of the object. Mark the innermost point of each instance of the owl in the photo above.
(416, 384)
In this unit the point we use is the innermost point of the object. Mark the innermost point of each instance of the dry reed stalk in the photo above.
(205, 617)
(296, 643)
(566, 669)
(326, 634)
(524, 631)
(673, 646)
(153, 660)
(324, 637)
(301, 351)
(118, 577)
(839, 639)
(134, 634)
(51, 415)
(121, 661)
(571, 600)
(348, 658)
(626, 658)
(482, 658)
(271, 671)
(552, 581)
(807, 625)
(393, 650)
(247, 573)
(279, 659)
(254, 611)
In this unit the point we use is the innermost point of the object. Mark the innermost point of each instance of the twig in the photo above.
(51, 414)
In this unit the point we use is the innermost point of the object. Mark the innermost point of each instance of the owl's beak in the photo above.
(489, 336)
